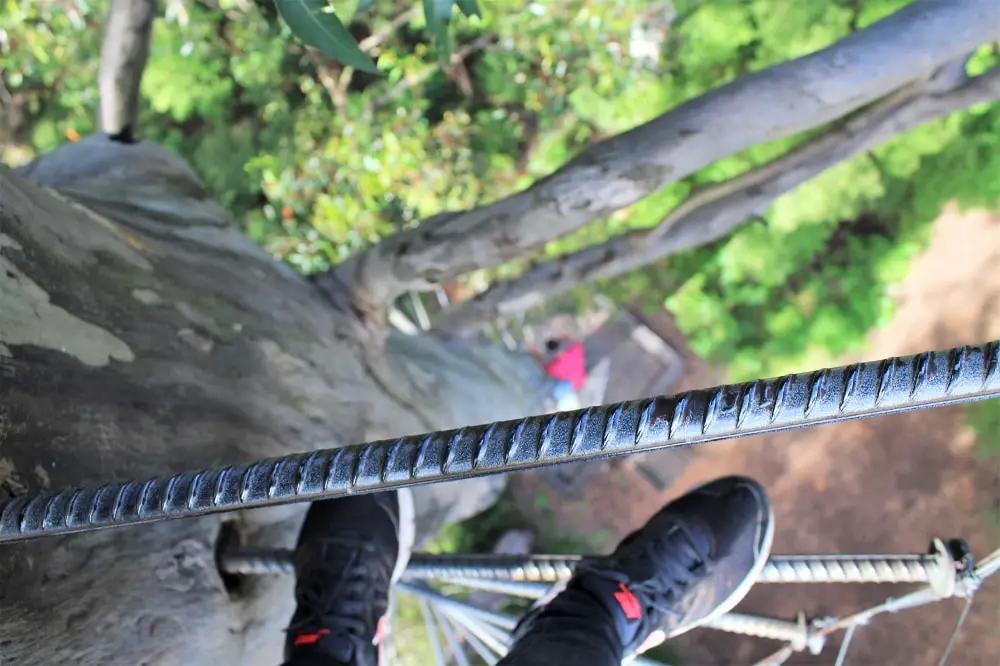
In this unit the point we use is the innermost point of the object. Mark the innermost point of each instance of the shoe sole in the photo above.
(743, 588)
(407, 533)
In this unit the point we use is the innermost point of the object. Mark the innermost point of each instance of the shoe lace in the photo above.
(347, 608)
(673, 561)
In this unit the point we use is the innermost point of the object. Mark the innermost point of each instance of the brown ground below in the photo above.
(882, 485)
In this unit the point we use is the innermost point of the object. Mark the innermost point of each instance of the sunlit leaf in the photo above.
(314, 24)
(344, 9)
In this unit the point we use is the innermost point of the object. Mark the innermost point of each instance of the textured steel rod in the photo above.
(495, 618)
(499, 569)
(919, 597)
(848, 569)
(490, 647)
(457, 651)
(892, 385)
(798, 634)
(510, 588)
(256, 562)
(518, 568)
(461, 625)
(445, 620)
(989, 566)
(432, 633)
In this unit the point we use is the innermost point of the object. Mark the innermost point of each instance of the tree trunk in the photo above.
(139, 335)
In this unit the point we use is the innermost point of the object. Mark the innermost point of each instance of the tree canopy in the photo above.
(319, 160)
(763, 169)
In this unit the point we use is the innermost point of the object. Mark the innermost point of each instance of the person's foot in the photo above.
(350, 552)
(691, 562)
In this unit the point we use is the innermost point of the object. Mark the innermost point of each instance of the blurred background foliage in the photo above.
(317, 160)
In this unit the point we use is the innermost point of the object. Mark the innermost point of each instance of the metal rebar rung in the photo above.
(521, 568)
(510, 588)
(797, 634)
(423, 566)
(848, 569)
(257, 562)
(552, 568)
(793, 401)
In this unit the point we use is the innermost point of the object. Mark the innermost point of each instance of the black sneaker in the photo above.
(691, 562)
(350, 552)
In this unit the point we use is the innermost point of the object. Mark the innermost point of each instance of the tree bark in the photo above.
(123, 60)
(139, 335)
(776, 102)
(713, 212)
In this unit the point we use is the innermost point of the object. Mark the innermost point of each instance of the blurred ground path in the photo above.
(880, 485)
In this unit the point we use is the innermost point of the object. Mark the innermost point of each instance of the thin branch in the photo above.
(123, 59)
(388, 30)
(715, 211)
(12, 111)
(370, 44)
(327, 79)
(781, 101)
(415, 79)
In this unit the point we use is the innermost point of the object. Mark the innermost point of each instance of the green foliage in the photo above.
(480, 533)
(41, 48)
(984, 418)
(470, 8)
(314, 22)
(437, 13)
(318, 24)
(318, 160)
(183, 78)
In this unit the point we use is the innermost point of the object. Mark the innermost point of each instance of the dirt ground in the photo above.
(885, 485)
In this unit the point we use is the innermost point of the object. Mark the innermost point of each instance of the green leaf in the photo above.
(438, 16)
(364, 5)
(311, 22)
(470, 8)
(344, 9)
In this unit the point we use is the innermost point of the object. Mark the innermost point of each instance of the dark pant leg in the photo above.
(574, 629)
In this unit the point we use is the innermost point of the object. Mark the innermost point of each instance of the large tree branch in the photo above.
(123, 60)
(772, 103)
(714, 211)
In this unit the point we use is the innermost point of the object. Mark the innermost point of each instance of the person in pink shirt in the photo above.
(567, 366)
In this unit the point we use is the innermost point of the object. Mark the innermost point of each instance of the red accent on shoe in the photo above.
(380, 638)
(629, 603)
(310, 639)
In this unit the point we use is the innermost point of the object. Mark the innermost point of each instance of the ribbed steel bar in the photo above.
(518, 568)
(500, 625)
(257, 562)
(892, 385)
(969, 583)
(457, 652)
(553, 568)
(432, 633)
(495, 618)
(848, 569)
(510, 588)
(798, 634)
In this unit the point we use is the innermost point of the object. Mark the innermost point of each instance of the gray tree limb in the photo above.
(780, 101)
(123, 60)
(714, 211)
